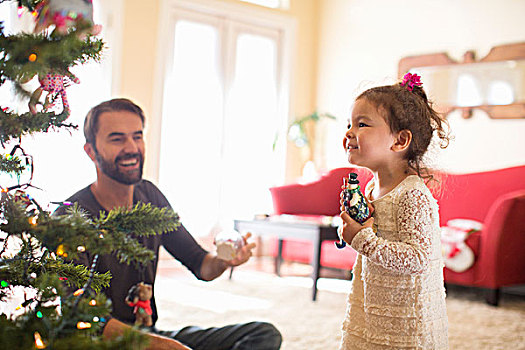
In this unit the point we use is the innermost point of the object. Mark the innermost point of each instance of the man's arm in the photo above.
(212, 267)
(115, 328)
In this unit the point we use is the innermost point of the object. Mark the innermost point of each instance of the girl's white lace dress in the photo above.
(397, 299)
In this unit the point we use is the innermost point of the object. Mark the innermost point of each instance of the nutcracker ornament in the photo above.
(354, 202)
(139, 297)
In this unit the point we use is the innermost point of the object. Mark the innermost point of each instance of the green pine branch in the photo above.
(24, 56)
(59, 331)
(17, 270)
(11, 164)
(75, 233)
(126, 224)
(48, 243)
(13, 125)
(115, 231)
(53, 52)
(143, 220)
(18, 335)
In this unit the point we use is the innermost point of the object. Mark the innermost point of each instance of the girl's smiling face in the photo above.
(368, 141)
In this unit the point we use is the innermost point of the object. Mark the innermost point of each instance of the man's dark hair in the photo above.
(114, 105)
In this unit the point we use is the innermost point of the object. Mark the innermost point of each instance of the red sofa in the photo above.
(495, 198)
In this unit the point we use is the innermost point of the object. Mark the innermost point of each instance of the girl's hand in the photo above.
(350, 227)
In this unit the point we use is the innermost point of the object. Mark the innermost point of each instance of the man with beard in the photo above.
(115, 143)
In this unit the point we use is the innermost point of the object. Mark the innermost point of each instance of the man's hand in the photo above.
(244, 254)
(212, 267)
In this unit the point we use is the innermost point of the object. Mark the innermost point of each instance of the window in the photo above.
(270, 3)
(225, 101)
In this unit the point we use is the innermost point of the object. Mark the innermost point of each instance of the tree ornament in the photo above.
(228, 244)
(354, 202)
(139, 297)
(63, 14)
(22, 198)
(55, 84)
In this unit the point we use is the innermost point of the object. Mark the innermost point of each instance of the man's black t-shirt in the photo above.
(179, 243)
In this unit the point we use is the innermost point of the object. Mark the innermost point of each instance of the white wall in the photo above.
(361, 43)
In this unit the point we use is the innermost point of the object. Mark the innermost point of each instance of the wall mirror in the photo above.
(494, 84)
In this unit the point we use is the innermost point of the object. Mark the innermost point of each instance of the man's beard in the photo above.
(111, 169)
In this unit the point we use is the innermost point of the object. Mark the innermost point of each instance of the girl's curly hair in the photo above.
(410, 110)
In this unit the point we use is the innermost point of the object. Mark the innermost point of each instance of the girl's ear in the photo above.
(402, 140)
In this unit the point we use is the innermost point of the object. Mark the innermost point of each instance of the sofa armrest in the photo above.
(501, 260)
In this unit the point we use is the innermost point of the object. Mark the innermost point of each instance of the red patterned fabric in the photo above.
(142, 304)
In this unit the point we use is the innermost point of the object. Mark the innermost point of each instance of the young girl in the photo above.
(397, 299)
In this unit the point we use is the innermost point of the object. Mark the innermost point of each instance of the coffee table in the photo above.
(315, 231)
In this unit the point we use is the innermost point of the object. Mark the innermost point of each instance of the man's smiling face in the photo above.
(119, 146)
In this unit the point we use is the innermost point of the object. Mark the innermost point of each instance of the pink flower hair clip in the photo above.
(410, 80)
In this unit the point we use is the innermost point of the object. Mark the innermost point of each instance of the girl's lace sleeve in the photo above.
(411, 254)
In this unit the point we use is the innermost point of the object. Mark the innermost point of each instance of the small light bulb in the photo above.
(38, 341)
(60, 250)
(83, 325)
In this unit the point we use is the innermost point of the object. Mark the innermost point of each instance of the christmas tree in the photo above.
(61, 307)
